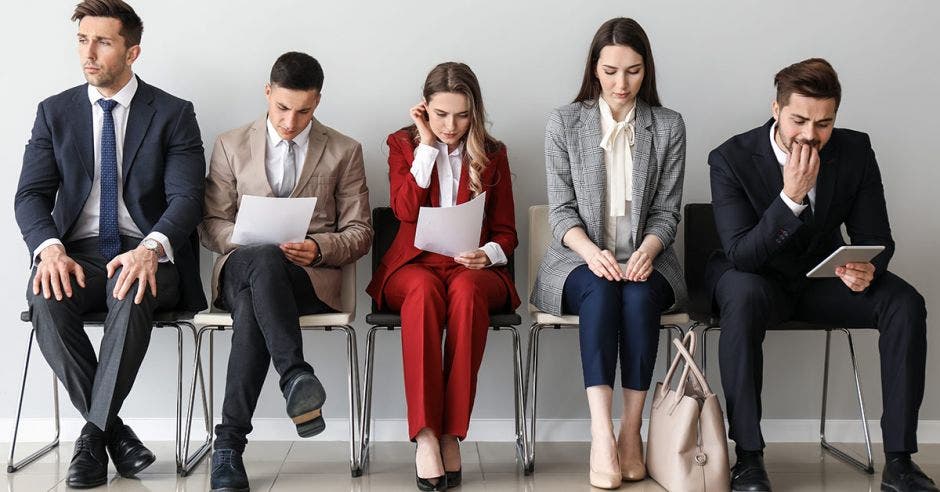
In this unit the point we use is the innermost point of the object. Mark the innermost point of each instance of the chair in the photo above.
(539, 239)
(220, 321)
(386, 225)
(165, 319)
(701, 240)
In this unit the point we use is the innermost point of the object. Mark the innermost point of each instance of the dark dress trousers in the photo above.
(759, 279)
(163, 181)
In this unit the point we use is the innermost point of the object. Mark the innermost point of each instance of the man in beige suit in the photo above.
(286, 153)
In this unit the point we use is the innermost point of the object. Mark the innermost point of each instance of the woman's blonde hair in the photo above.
(458, 78)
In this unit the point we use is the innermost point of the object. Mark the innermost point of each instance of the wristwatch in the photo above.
(151, 244)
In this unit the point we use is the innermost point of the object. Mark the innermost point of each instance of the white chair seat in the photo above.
(549, 319)
(225, 319)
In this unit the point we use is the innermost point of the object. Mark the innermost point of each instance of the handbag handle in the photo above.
(687, 340)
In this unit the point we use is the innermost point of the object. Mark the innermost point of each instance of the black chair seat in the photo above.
(158, 317)
(392, 319)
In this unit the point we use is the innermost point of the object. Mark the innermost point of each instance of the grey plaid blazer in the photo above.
(577, 191)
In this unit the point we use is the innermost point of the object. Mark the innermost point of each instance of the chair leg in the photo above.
(13, 467)
(532, 382)
(189, 462)
(838, 453)
(522, 440)
(365, 427)
(705, 348)
(355, 404)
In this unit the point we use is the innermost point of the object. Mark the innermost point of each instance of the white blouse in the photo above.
(618, 144)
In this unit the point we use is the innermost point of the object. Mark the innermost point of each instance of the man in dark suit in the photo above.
(108, 200)
(780, 194)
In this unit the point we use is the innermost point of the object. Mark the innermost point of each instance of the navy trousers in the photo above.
(617, 317)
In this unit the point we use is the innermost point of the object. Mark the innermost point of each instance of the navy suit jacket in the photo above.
(760, 234)
(163, 174)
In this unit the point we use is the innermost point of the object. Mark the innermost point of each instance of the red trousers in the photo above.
(430, 292)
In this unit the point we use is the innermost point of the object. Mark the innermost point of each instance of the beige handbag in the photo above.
(687, 450)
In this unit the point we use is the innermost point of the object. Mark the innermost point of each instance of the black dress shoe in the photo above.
(431, 484)
(228, 472)
(749, 474)
(453, 478)
(129, 455)
(305, 396)
(903, 475)
(89, 467)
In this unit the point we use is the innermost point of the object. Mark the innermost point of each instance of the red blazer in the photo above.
(499, 216)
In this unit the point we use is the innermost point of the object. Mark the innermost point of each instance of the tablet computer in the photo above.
(843, 255)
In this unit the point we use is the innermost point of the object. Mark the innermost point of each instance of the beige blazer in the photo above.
(333, 172)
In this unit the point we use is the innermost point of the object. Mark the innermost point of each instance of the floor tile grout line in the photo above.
(476, 447)
(281, 467)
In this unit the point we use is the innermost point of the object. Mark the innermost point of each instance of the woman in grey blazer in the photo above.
(615, 161)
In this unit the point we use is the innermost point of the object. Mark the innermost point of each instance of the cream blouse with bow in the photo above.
(618, 143)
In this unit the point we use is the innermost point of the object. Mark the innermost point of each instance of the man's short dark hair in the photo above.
(132, 28)
(813, 77)
(297, 71)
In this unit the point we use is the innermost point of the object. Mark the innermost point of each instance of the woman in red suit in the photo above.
(444, 159)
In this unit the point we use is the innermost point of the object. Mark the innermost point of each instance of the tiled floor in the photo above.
(324, 466)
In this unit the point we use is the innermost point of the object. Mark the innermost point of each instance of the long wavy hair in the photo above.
(458, 78)
(620, 31)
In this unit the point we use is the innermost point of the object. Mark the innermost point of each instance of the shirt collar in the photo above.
(123, 96)
(778, 152)
(607, 115)
(442, 147)
(301, 139)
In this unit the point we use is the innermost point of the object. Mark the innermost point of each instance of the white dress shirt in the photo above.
(86, 225)
(618, 143)
(449, 166)
(796, 208)
(276, 153)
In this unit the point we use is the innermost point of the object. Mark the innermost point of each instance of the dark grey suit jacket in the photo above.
(164, 170)
(577, 191)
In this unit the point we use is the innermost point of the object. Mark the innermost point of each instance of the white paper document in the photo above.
(451, 230)
(268, 220)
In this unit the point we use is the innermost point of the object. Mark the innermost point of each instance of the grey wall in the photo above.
(715, 65)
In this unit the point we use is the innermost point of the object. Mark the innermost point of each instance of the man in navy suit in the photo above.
(108, 201)
(781, 193)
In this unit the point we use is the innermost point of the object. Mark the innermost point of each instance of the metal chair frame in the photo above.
(184, 461)
(868, 467)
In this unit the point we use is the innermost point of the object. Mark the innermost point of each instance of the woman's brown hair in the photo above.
(459, 79)
(620, 31)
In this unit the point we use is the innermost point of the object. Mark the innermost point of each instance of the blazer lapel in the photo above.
(463, 185)
(641, 163)
(80, 120)
(138, 121)
(256, 164)
(592, 166)
(826, 181)
(315, 148)
(766, 163)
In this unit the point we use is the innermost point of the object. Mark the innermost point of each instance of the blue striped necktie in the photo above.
(109, 239)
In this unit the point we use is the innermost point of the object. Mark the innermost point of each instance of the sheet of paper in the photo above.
(268, 220)
(451, 230)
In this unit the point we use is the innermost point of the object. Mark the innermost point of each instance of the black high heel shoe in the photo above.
(453, 478)
(433, 484)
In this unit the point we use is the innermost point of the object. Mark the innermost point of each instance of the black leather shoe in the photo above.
(453, 478)
(431, 484)
(228, 472)
(129, 455)
(903, 475)
(89, 467)
(749, 474)
(305, 396)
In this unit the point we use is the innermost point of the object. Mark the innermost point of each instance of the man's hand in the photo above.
(52, 273)
(301, 254)
(800, 171)
(473, 260)
(857, 276)
(139, 264)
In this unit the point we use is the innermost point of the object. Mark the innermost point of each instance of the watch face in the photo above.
(151, 244)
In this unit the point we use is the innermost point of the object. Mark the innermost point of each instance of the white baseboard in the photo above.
(268, 429)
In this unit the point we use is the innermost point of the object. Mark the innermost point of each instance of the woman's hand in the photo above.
(639, 266)
(603, 264)
(473, 260)
(419, 115)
